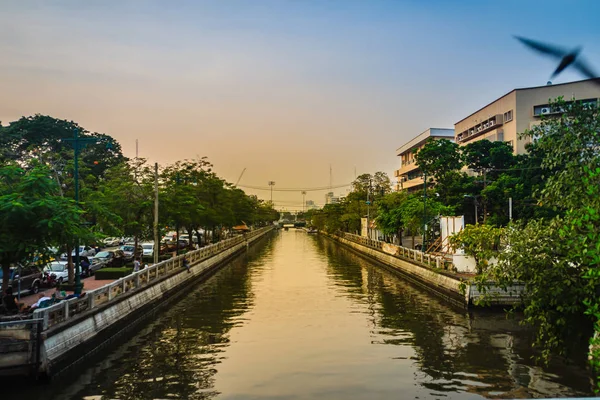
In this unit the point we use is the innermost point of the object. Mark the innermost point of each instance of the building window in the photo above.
(508, 116)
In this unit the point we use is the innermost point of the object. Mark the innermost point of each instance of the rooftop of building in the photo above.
(531, 88)
(417, 140)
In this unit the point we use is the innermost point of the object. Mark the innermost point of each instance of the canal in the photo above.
(300, 317)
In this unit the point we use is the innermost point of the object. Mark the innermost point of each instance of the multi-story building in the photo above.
(409, 175)
(310, 205)
(331, 199)
(519, 110)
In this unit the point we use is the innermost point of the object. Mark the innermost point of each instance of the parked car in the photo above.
(24, 279)
(128, 251)
(84, 251)
(147, 249)
(127, 240)
(112, 241)
(173, 245)
(59, 270)
(167, 238)
(108, 258)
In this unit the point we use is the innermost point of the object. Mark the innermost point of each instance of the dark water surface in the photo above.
(300, 318)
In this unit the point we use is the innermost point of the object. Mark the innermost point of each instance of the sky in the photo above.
(289, 90)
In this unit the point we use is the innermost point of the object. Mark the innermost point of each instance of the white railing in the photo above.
(429, 260)
(67, 309)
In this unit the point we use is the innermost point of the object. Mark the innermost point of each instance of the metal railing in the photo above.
(429, 260)
(68, 309)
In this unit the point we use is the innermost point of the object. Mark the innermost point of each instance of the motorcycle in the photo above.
(48, 279)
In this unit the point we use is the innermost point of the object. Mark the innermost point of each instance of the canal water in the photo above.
(299, 317)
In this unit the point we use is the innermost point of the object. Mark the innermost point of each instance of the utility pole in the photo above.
(368, 208)
(510, 208)
(78, 143)
(156, 241)
(136, 148)
(303, 202)
(423, 246)
(271, 183)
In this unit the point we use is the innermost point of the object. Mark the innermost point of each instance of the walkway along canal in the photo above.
(299, 316)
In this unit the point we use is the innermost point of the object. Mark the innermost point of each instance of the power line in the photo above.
(313, 189)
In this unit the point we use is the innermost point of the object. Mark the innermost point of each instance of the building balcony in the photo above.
(411, 183)
(406, 168)
(483, 127)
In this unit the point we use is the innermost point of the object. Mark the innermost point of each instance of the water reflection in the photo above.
(299, 317)
(483, 352)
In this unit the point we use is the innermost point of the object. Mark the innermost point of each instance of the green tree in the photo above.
(390, 218)
(438, 158)
(489, 160)
(32, 215)
(40, 137)
(125, 200)
(442, 161)
(558, 257)
(481, 242)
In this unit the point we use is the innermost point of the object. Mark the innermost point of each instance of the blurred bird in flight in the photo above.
(566, 57)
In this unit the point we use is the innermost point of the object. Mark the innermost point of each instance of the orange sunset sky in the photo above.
(282, 88)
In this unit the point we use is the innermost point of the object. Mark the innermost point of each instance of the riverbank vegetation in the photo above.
(551, 243)
(39, 215)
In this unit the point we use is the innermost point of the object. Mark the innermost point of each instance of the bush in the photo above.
(112, 273)
(66, 287)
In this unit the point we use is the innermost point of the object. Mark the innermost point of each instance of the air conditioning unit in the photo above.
(545, 110)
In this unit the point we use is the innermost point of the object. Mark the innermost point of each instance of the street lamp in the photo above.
(424, 244)
(303, 201)
(79, 143)
(271, 183)
(368, 208)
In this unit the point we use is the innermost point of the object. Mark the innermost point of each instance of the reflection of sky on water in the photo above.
(302, 318)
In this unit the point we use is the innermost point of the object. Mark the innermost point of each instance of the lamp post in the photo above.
(78, 143)
(303, 202)
(424, 244)
(178, 182)
(368, 208)
(271, 183)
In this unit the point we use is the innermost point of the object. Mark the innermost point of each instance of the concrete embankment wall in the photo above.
(73, 340)
(442, 285)
(420, 269)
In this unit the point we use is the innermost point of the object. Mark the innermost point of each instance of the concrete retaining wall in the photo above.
(443, 285)
(73, 340)
(434, 280)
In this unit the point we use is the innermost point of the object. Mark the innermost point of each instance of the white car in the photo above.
(59, 269)
(112, 241)
(148, 249)
(84, 251)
